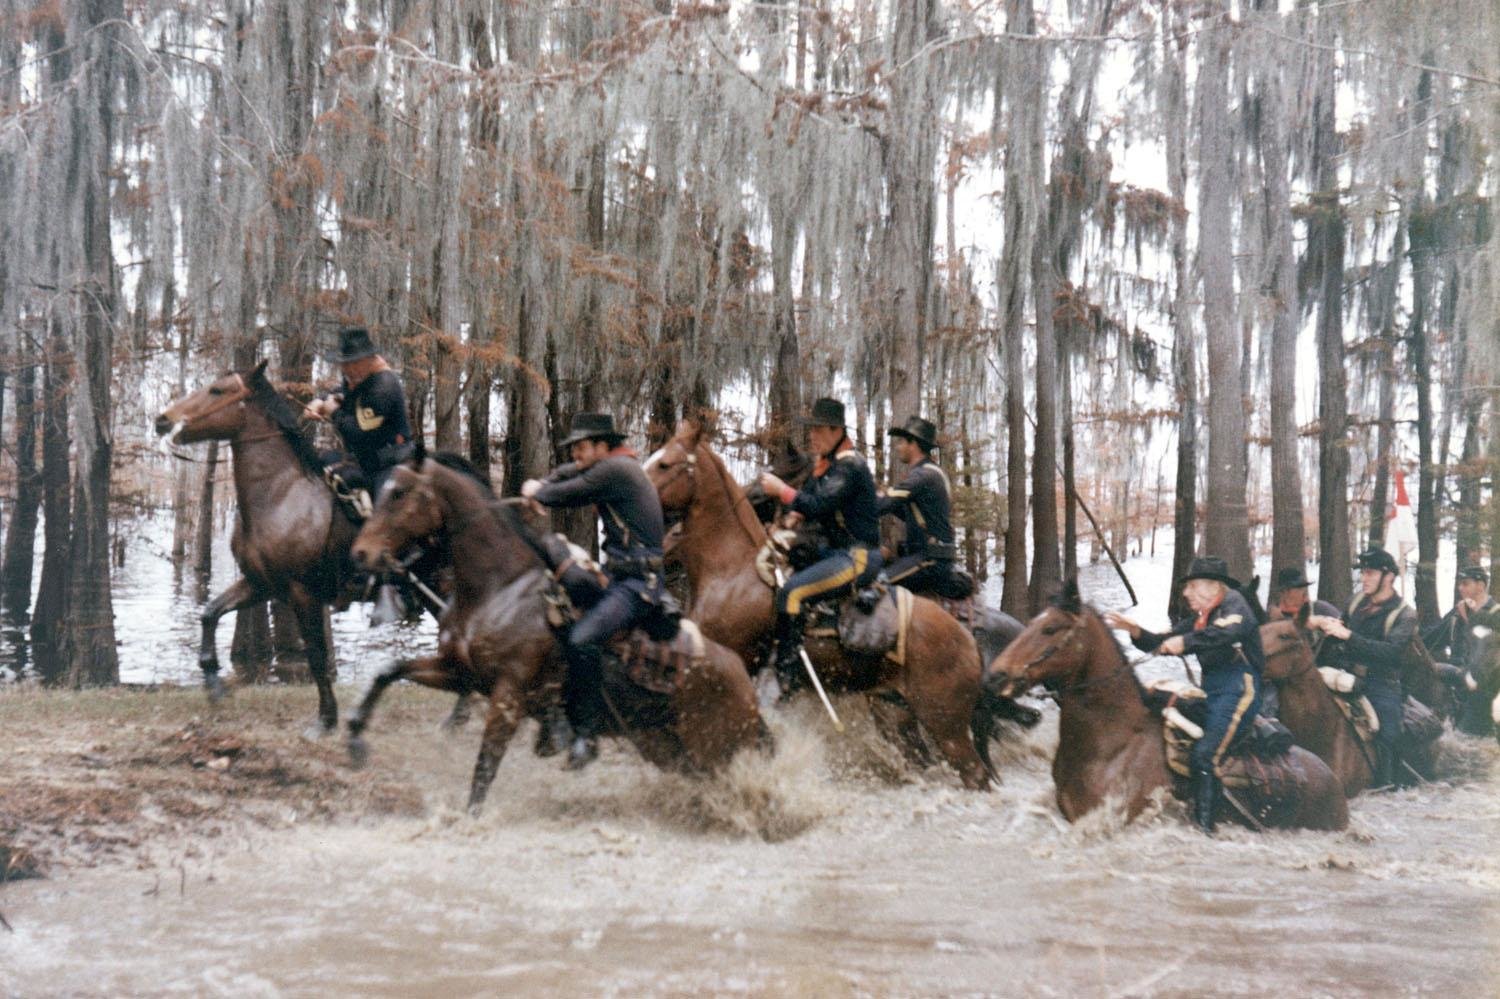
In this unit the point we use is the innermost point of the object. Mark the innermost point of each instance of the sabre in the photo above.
(838, 726)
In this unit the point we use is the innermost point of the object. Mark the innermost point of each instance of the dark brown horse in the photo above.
(1110, 743)
(719, 538)
(495, 640)
(1317, 723)
(1310, 710)
(291, 537)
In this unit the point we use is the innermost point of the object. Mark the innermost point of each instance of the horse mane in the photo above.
(743, 511)
(458, 463)
(285, 419)
(1069, 602)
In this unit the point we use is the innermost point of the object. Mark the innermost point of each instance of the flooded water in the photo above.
(831, 869)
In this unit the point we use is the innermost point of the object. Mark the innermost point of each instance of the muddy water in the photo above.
(876, 880)
(831, 869)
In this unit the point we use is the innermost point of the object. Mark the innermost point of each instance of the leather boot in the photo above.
(789, 669)
(1384, 776)
(583, 703)
(1205, 797)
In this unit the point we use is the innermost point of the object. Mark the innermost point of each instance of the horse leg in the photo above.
(895, 721)
(312, 625)
(428, 671)
(506, 712)
(944, 699)
(239, 594)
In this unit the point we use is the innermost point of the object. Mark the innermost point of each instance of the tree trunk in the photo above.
(1417, 350)
(52, 591)
(1288, 535)
(447, 349)
(1184, 346)
(1046, 572)
(1227, 525)
(20, 540)
(1326, 245)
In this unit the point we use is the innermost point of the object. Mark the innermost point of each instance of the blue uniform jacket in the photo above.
(842, 502)
(1227, 647)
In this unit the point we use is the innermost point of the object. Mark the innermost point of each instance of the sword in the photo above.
(812, 674)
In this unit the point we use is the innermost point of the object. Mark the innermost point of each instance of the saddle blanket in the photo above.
(883, 631)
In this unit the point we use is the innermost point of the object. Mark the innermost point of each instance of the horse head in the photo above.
(214, 412)
(1287, 652)
(673, 469)
(1054, 648)
(407, 510)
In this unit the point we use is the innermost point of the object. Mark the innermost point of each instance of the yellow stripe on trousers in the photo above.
(1234, 723)
(809, 590)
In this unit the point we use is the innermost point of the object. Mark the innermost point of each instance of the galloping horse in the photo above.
(718, 543)
(1110, 742)
(494, 639)
(291, 538)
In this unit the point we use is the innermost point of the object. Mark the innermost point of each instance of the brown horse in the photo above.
(291, 538)
(494, 639)
(1317, 723)
(1310, 710)
(1110, 742)
(938, 686)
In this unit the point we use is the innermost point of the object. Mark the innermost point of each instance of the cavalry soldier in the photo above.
(1453, 639)
(840, 498)
(1292, 602)
(1376, 631)
(605, 473)
(1222, 632)
(369, 411)
(926, 556)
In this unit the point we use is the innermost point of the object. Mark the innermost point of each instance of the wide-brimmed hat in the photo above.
(1377, 558)
(1209, 567)
(1475, 573)
(592, 426)
(826, 413)
(1292, 578)
(354, 344)
(917, 430)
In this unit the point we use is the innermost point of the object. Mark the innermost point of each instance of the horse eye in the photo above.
(215, 390)
(1051, 629)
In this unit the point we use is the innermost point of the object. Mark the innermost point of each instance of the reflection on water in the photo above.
(156, 617)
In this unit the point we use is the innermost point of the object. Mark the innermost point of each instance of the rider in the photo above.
(1453, 639)
(1376, 631)
(840, 498)
(369, 410)
(605, 473)
(922, 499)
(1292, 602)
(1222, 632)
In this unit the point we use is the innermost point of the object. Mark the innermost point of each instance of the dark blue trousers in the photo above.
(1233, 702)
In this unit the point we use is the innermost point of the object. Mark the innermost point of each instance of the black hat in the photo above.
(1377, 558)
(354, 344)
(592, 426)
(1291, 579)
(1210, 567)
(1475, 573)
(917, 430)
(826, 413)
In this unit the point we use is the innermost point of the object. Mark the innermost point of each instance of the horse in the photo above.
(937, 689)
(291, 538)
(494, 639)
(1310, 710)
(1110, 743)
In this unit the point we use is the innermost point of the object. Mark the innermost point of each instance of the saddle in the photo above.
(1419, 724)
(882, 629)
(659, 666)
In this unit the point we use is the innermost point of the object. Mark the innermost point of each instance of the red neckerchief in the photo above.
(1202, 621)
(1290, 612)
(825, 461)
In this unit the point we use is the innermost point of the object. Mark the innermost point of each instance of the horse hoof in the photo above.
(475, 807)
(215, 686)
(359, 753)
(318, 730)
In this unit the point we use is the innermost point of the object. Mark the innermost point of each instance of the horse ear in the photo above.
(258, 373)
(418, 452)
(1069, 599)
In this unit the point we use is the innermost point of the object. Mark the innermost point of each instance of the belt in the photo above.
(633, 566)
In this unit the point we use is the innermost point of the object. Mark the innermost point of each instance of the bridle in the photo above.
(689, 467)
(1070, 639)
(236, 396)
